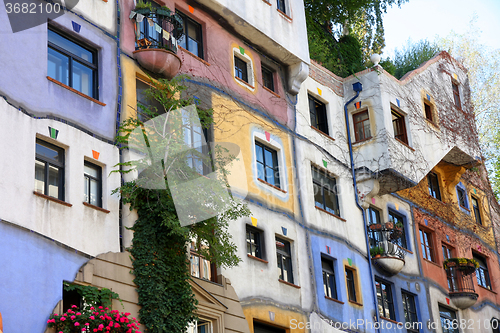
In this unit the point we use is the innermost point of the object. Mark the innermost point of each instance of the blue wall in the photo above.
(33, 269)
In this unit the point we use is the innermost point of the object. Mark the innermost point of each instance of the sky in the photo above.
(424, 19)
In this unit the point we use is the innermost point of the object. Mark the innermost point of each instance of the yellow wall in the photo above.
(285, 319)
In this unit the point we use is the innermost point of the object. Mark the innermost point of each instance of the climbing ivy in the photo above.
(92, 296)
(159, 251)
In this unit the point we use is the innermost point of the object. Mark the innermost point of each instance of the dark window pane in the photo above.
(267, 78)
(70, 46)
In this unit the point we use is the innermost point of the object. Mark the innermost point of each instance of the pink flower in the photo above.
(92, 317)
(87, 324)
(101, 326)
(78, 314)
(74, 306)
(100, 307)
(117, 325)
(77, 324)
(63, 318)
(73, 317)
(95, 329)
(55, 314)
(102, 317)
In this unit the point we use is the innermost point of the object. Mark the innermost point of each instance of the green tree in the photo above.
(166, 162)
(413, 55)
(483, 64)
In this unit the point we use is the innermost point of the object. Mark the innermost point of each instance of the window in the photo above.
(262, 328)
(373, 218)
(325, 192)
(267, 164)
(92, 184)
(72, 63)
(328, 277)
(482, 275)
(351, 284)
(144, 101)
(477, 212)
(456, 95)
(410, 311)
(449, 322)
(267, 78)
(240, 69)
(398, 220)
(495, 325)
(447, 252)
(426, 244)
(200, 326)
(282, 6)
(200, 267)
(428, 111)
(194, 138)
(49, 170)
(384, 299)
(462, 197)
(450, 275)
(361, 126)
(432, 180)
(399, 126)
(317, 111)
(191, 40)
(255, 242)
(284, 260)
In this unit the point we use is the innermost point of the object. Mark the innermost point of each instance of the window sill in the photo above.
(333, 299)
(432, 262)
(391, 320)
(272, 92)
(324, 211)
(491, 291)
(361, 141)
(406, 250)
(356, 303)
(267, 2)
(285, 16)
(194, 56)
(96, 208)
(64, 203)
(431, 122)
(75, 91)
(244, 82)
(256, 258)
(275, 187)
(323, 133)
(289, 284)
(404, 144)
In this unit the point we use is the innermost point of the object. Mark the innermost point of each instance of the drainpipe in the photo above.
(357, 87)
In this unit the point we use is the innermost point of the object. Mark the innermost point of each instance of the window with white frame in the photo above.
(243, 68)
(200, 326)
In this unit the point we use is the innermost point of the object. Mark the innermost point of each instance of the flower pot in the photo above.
(143, 11)
(375, 226)
(389, 225)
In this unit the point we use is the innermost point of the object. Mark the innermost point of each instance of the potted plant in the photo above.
(375, 226)
(389, 225)
(164, 10)
(465, 265)
(376, 252)
(143, 8)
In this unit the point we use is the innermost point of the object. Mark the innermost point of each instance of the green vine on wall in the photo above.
(93, 296)
(159, 245)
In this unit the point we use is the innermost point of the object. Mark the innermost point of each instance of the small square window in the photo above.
(49, 169)
(255, 242)
(282, 5)
(317, 111)
(428, 111)
(72, 63)
(449, 322)
(361, 126)
(477, 210)
(410, 311)
(328, 277)
(384, 299)
(350, 275)
(482, 275)
(268, 78)
(192, 39)
(240, 69)
(267, 164)
(426, 245)
(325, 192)
(456, 95)
(399, 126)
(433, 183)
(284, 257)
(92, 184)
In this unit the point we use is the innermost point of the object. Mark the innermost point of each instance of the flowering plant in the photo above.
(94, 320)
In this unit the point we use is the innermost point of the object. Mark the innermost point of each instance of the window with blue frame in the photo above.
(410, 310)
(449, 322)
(399, 220)
(463, 202)
(384, 299)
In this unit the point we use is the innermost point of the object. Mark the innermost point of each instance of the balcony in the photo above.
(157, 32)
(387, 247)
(460, 282)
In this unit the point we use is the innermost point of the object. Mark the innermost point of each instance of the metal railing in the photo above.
(150, 36)
(459, 280)
(390, 240)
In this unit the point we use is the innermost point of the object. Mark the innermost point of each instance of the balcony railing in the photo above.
(460, 280)
(157, 29)
(386, 240)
